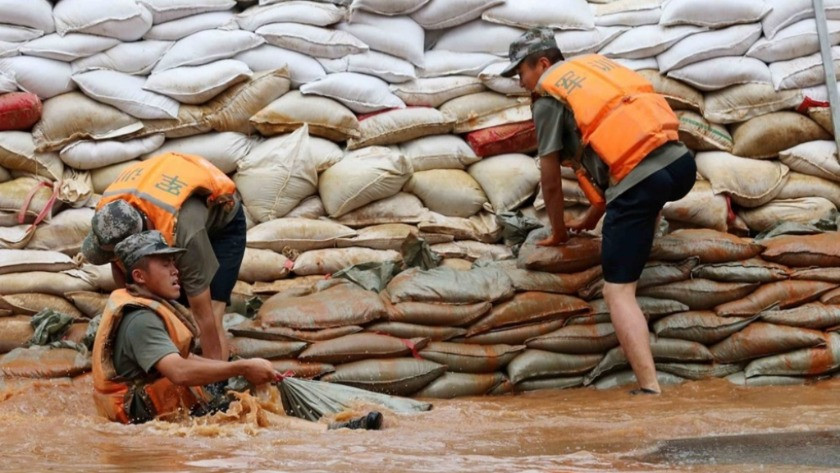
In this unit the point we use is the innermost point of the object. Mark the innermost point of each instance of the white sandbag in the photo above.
(276, 175)
(434, 91)
(742, 102)
(324, 153)
(198, 84)
(397, 126)
(307, 13)
(325, 117)
(17, 153)
(767, 135)
(137, 58)
(803, 72)
(559, 14)
(447, 63)
(678, 95)
(485, 109)
(439, 152)
(105, 176)
(332, 260)
(483, 227)
(478, 37)
(299, 234)
(74, 116)
(19, 261)
(628, 13)
(8, 49)
(223, 150)
(125, 20)
(439, 14)
(231, 109)
(168, 10)
(387, 7)
(576, 42)
(45, 78)
(7, 83)
(749, 182)
(373, 63)
(797, 40)
(312, 40)
(126, 93)
(804, 210)
(302, 68)
(359, 92)
(816, 158)
(638, 64)
(721, 72)
(507, 179)
(18, 34)
(361, 177)
(700, 135)
(310, 208)
(67, 48)
(714, 13)
(401, 208)
(492, 79)
(788, 12)
(87, 155)
(802, 185)
(36, 14)
(646, 41)
(183, 27)
(397, 36)
(263, 265)
(731, 41)
(208, 46)
(701, 207)
(450, 192)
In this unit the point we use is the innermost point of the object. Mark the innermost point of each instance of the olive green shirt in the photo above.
(141, 341)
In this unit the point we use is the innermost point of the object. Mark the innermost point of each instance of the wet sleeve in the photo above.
(147, 340)
(198, 265)
(550, 122)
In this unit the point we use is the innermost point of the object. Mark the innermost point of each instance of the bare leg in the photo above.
(218, 316)
(632, 331)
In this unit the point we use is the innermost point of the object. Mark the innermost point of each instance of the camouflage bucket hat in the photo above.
(532, 41)
(110, 225)
(140, 245)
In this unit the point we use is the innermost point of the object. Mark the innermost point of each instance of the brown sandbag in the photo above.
(76, 332)
(651, 307)
(526, 280)
(740, 379)
(577, 254)
(252, 329)
(358, 346)
(429, 313)
(801, 251)
(549, 383)
(344, 304)
(404, 330)
(804, 362)
(90, 303)
(697, 371)
(765, 136)
(529, 307)
(256, 348)
(784, 294)
(817, 274)
(709, 245)
(44, 362)
(626, 378)
(32, 303)
(398, 376)
(505, 387)
(751, 270)
(815, 315)
(302, 370)
(450, 286)
(655, 273)
(701, 207)
(545, 364)
(452, 385)
(704, 327)
(663, 349)
(44, 282)
(468, 358)
(832, 297)
(762, 339)
(15, 332)
(514, 335)
(577, 339)
(701, 294)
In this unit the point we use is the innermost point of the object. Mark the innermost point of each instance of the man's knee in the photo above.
(616, 292)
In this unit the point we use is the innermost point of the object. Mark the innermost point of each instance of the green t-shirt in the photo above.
(141, 341)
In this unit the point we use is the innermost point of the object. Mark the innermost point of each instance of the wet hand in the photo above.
(578, 225)
(554, 240)
(258, 371)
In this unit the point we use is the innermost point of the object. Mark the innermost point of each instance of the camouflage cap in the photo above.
(140, 245)
(110, 225)
(531, 41)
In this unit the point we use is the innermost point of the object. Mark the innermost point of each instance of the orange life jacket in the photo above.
(159, 187)
(112, 395)
(618, 113)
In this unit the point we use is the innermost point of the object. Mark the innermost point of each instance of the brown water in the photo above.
(51, 425)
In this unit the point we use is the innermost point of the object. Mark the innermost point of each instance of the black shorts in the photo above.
(630, 223)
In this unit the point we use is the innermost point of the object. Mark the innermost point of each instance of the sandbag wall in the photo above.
(348, 126)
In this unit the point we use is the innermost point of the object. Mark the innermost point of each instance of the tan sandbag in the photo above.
(326, 117)
(804, 362)
(815, 315)
(302, 370)
(529, 307)
(255, 348)
(103, 177)
(549, 383)
(577, 339)
(508, 180)
(450, 286)
(822, 115)
(451, 192)
(253, 329)
(304, 284)
(765, 136)
(358, 346)
(297, 233)
(577, 254)
(44, 362)
(802, 251)
(704, 327)
(459, 264)
(742, 102)
(88, 302)
(406, 330)
(73, 116)
(526, 280)
(400, 208)
(832, 297)
(389, 236)
(484, 110)
(663, 349)
(473, 250)
(32, 303)
(64, 232)
(439, 152)
(426, 313)
(655, 273)
(701, 207)
(14, 195)
(100, 277)
(679, 95)
(698, 371)
(481, 227)
(749, 182)
(264, 265)
(337, 306)
(627, 378)
(230, 110)
(44, 282)
(17, 153)
(400, 125)
(332, 260)
(18, 261)
(399, 376)
(750, 270)
(467, 358)
(701, 294)
(542, 364)
(15, 332)
(803, 185)
(781, 294)
(652, 309)
(309, 208)
(192, 120)
(514, 335)
(804, 210)
(817, 274)
(452, 385)
(817, 158)
(762, 339)
(700, 135)
(709, 246)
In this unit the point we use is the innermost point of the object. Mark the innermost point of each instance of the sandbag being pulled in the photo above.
(452, 286)
(577, 254)
(761, 339)
(468, 358)
(701, 294)
(801, 251)
(398, 376)
(529, 307)
(357, 346)
(781, 294)
(343, 304)
(704, 327)
(709, 246)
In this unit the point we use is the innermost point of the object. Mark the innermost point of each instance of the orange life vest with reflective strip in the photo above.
(111, 395)
(159, 187)
(618, 113)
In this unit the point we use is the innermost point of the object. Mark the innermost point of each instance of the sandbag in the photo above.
(831, 297)
(126, 92)
(302, 370)
(797, 40)
(344, 304)
(627, 13)
(406, 330)
(574, 15)
(473, 250)
(223, 150)
(399, 376)
(390, 236)
(549, 383)
(397, 126)
(18, 153)
(698, 371)
(400, 208)
(743, 102)
(439, 14)
(88, 302)
(817, 158)
(781, 294)
(332, 260)
(325, 117)
(15, 332)
(822, 115)
(701, 294)
(63, 233)
(802, 185)
(529, 307)
(426, 313)
(207, 46)
(485, 109)
(450, 192)
(198, 84)
(722, 72)
(805, 210)
(180, 28)
(525, 280)
(263, 265)
(230, 110)
(678, 95)
(43, 77)
(44, 282)
(450, 286)
(543, 364)
(577, 339)
(308, 13)
(709, 246)
(700, 135)
(36, 15)
(398, 36)
(802, 72)
(254, 348)
(435, 91)
(492, 79)
(704, 327)
(714, 15)
(754, 140)
(625, 378)
(804, 250)
(17, 261)
(103, 177)
(19, 111)
(169, 10)
(807, 361)
(448, 63)
(355, 347)
(44, 362)
(481, 227)
(452, 385)
(646, 41)
(358, 92)
(663, 349)
(466, 358)
(761, 339)
(438, 152)
(729, 41)
(577, 254)
(478, 37)
(137, 57)
(32, 303)
(302, 68)
(504, 139)
(701, 207)
(817, 274)
(815, 315)
(515, 335)
(253, 329)
(727, 173)
(87, 155)
(751, 270)
(192, 120)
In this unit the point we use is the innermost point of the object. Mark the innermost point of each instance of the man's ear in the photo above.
(138, 276)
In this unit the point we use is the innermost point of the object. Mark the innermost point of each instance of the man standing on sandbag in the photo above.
(606, 122)
(195, 206)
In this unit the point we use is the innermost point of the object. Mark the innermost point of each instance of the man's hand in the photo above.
(581, 224)
(554, 239)
(258, 371)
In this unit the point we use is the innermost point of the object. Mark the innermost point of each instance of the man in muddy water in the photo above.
(143, 367)
(604, 121)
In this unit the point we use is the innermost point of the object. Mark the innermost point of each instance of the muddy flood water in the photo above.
(51, 425)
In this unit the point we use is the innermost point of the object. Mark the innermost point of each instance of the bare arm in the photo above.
(552, 187)
(213, 345)
(597, 204)
(198, 371)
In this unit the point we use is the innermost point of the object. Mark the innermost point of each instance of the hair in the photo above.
(553, 55)
(142, 263)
